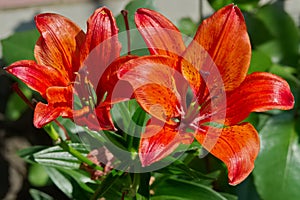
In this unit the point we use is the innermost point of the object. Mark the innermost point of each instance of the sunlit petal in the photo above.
(154, 85)
(159, 101)
(157, 143)
(37, 77)
(60, 96)
(161, 36)
(148, 70)
(224, 36)
(97, 119)
(110, 88)
(237, 146)
(45, 113)
(59, 43)
(258, 93)
(101, 46)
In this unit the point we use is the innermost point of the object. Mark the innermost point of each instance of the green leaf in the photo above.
(187, 26)
(277, 168)
(179, 168)
(272, 49)
(106, 184)
(242, 4)
(144, 185)
(286, 72)
(39, 195)
(81, 178)
(55, 156)
(123, 113)
(253, 24)
(62, 182)
(229, 196)
(19, 46)
(259, 62)
(15, 106)
(246, 190)
(27, 153)
(138, 46)
(284, 29)
(71, 182)
(184, 190)
(37, 175)
(217, 4)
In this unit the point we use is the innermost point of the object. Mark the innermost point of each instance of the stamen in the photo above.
(125, 16)
(196, 127)
(200, 118)
(180, 110)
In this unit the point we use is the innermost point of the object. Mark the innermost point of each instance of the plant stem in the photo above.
(105, 185)
(65, 146)
(125, 16)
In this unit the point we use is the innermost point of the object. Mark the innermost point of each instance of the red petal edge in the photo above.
(237, 146)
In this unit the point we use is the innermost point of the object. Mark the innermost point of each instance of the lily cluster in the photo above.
(197, 91)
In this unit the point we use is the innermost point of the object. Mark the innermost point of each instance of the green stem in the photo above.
(136, 180)
(52, 133)
(105, 185)
(65, 146)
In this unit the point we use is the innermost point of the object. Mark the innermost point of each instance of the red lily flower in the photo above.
(64, 66)
(215, 66)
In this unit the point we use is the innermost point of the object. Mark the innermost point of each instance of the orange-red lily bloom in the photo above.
(64, 66)
(214, 66)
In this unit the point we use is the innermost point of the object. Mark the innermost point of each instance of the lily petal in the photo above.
(159, 101)
(237, 146)
(59, 104)
(147, 70)
(37, 77)
(45, 113)
(259, 92)
(110, 88)
(59, 43)
(161, 35)
(154, 85)
(157, 143)
(99, 119)
(101, 45)
(60, 96)
(224, 36)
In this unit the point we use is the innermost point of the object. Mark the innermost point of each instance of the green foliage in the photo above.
(19, 46)
(137, 44)
(283, 29)
(275, 41)
(175, 188)
(278, 164)
(242, 4)
(37, 175)
(15, 106)
(53, 156)
(187, 26)
(39, 195)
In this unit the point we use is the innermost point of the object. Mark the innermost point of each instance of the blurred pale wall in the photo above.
(17, 15)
